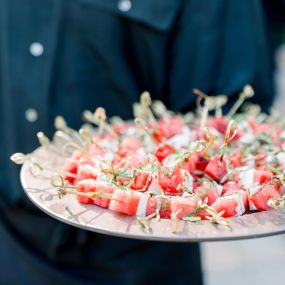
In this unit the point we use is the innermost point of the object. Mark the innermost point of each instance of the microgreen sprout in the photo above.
(144, 222)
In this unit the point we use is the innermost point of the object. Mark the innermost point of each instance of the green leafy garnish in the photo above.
(165, 205)
(194, 212)
(274, 169)
(264, 138)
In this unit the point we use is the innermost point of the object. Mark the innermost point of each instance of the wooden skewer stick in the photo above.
(141, 125)
(61, 125)
(145, 102)
(57, 181)
(43, 139)
(247, 92)
(99, 118)
(20, 158)
(205, 109)
(218, 102)
(160, 110)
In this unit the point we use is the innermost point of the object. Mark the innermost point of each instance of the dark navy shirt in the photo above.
(62, 57)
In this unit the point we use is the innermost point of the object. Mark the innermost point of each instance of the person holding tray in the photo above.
(61, 57)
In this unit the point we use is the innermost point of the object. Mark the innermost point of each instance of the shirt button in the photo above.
(36, 49)
(124, 5)
(31, 115)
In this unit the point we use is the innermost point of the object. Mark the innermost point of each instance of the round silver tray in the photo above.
(96, 219)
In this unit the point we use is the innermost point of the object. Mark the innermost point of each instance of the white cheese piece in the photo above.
(188, 182)
(218, 188)
(131, 131)
(243, 125)
(109, 156)
(186, 194)
(247, 138)
(180, 140)
(224, 179)
(282, 135)
(281, 158)
(141, 151)
(250, 161)
(253, 190)
(154, 187)
(240, 209)
(141, 210)
(247, 178)
(215, 132)
(170, 161)
(270, 159)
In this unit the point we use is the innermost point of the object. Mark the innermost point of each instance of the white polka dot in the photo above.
(36, 49)
(124, 5)
(31, 115)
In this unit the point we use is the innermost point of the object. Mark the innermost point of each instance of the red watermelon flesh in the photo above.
(85, 171)
(230, 188)
(260, 198)
(196, 162)
(141, 181)
(186, 204)
(70, 169)
(207, 191)
(125, 202)
(164, 151)
(167, 128)
(128, 145)
(216, 169)
(91, 185)
(164, 209)
(172, 184)
(262, 176)
(232, 205)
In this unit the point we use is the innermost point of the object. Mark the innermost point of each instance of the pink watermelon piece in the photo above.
(141, 181)
(186, 204)
(125, 202)
(164, 210)
(207, 191)
(216, 169)
(70, 169)
(164, 151)
(262, 176)
(232, 187)
(172, 184)
(260, 198)
(91, 185)
(85, 171)
(196, 163)
(232, 205)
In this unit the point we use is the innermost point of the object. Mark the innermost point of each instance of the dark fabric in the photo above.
(60, 254)
(95, 55)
